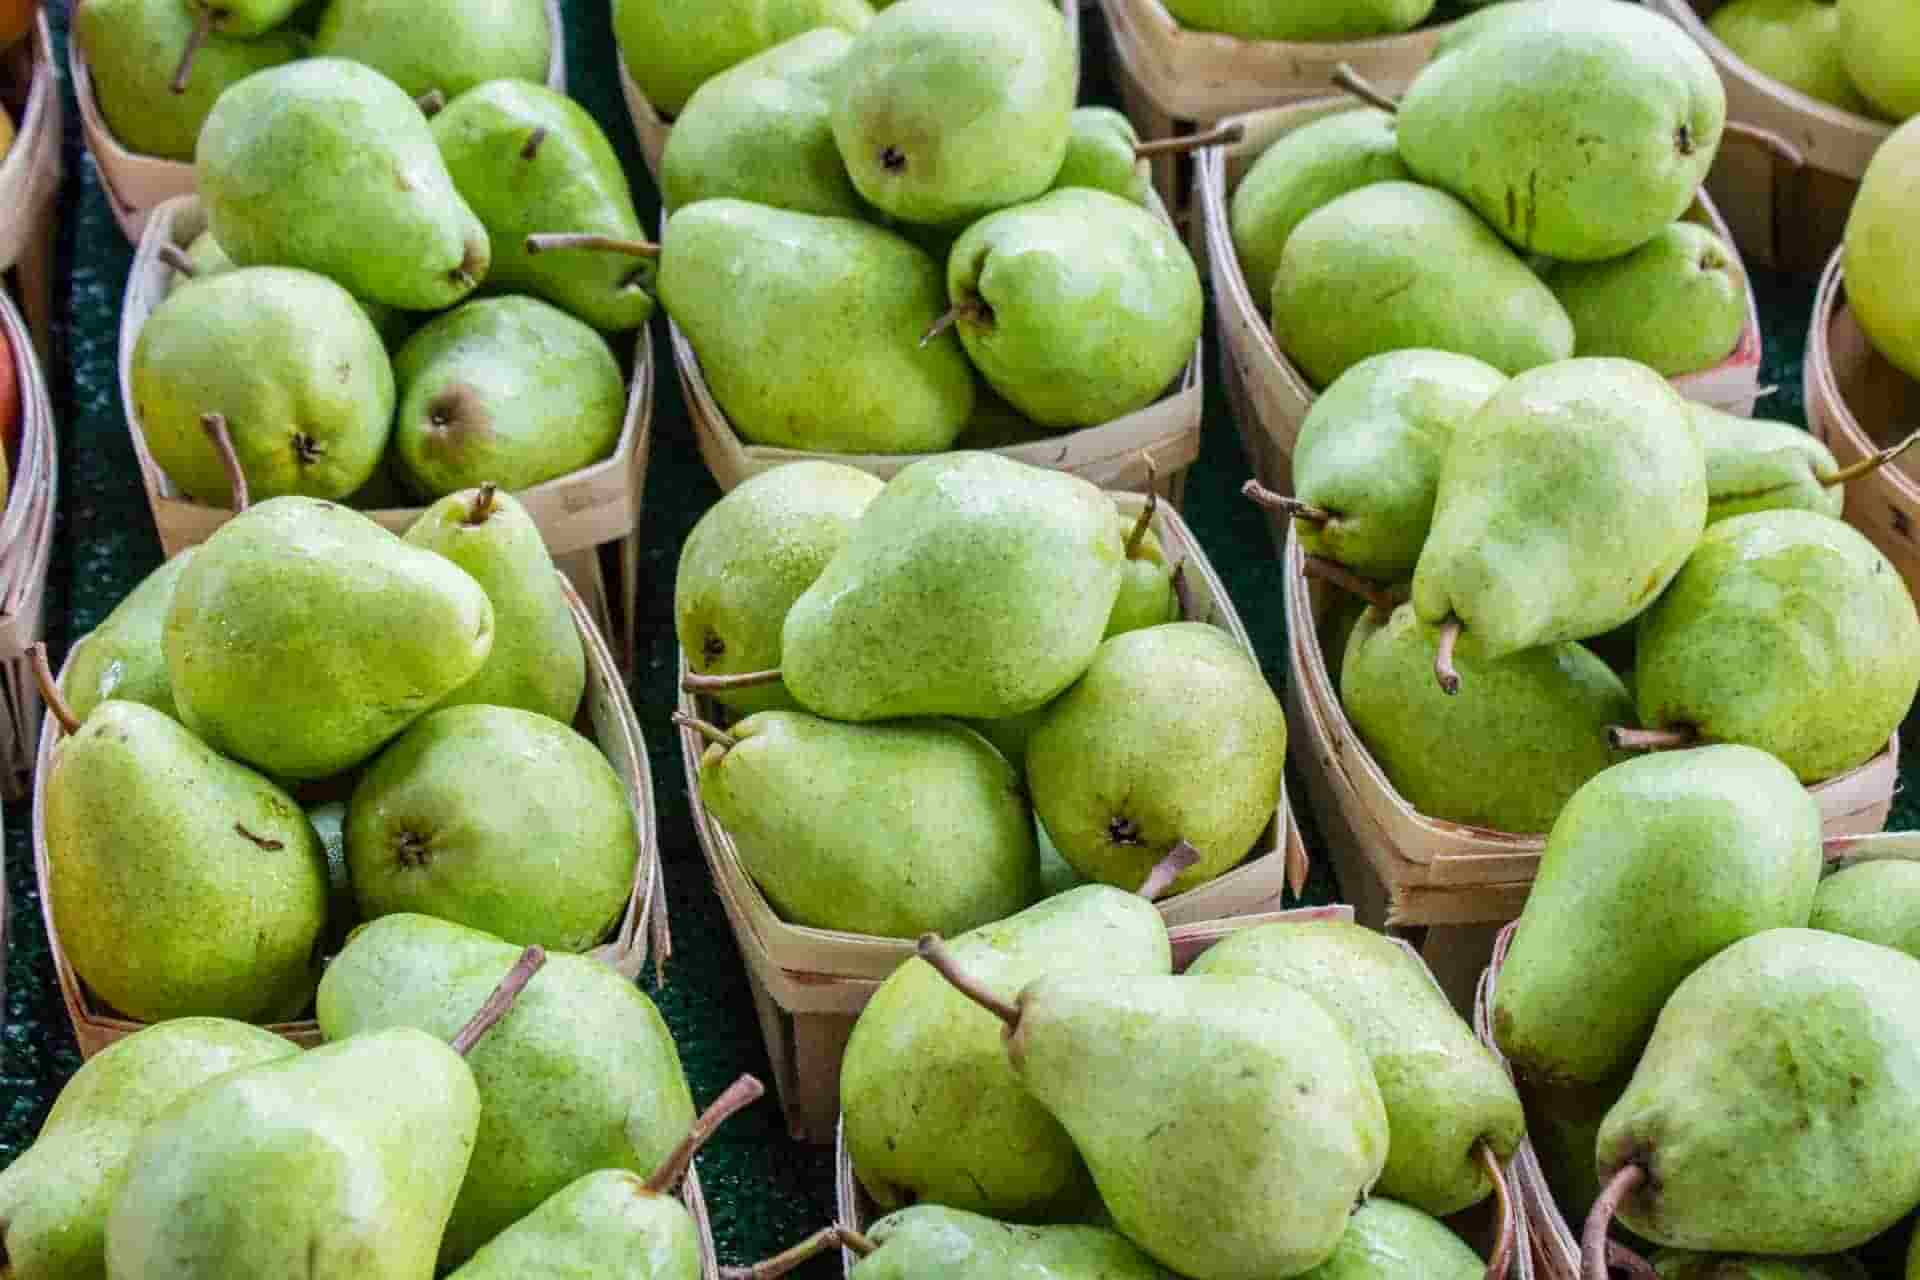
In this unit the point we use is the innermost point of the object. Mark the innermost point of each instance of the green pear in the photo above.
(1394, 265)
(1874, 901)
(1787, 631)
(289, 361)
(1652, 868)
(530, 160)
(1883, 276)
(947, 112)
(607, 1223)
(1671, 1264)
(1449, 1102)
(303, 636)
(204, 258)
(670, 50)
(1565, 506)
(1078, 308)
(1387, 1240)
(241, 18)
(537, 662)
(931, 1240)
(1877, 42)
(1341, 20)
(1101, 155)
(1173, 734)
(931, 1111)
(883, 829)
(448, 45)
(581, 1076)
(1147, 597)
(972, 586)
(502, 820)
(818, 347)
(54, 1198)
(509, 391)
(1796, 1043)
(122, 659)
(1757, 465)
(328, 165)
(207, 258)
(1797, 42)
(1577, 129)
(1537, 719)
(763, 132)
(1312, 166)
(1677, 304)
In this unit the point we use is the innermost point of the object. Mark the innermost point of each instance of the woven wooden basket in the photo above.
(26, 544)
(30, 175)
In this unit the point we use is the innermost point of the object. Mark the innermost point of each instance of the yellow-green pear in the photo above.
(1879, 41)
(1883, 275)
(1797, 42)
(1677, 304)
(671, 49)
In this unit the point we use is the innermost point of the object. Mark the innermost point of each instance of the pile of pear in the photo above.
(1522, 204)
(960, 692)
(1862, 56)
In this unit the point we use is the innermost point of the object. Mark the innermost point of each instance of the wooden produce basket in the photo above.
(576, 513)
(30, 175)
(810, 984)
(606, 716)
(857, 1210)
(136, 183)
(1857, 403)
(26, 544)
(1271, 397)
(1782, 217)
(1406, 872)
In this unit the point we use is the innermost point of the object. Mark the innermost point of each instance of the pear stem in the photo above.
(712, 733)
(1265, 497)
(1178, 862)
(739, 1095)
(693, 683)
(176, 258)
(812, 1247)
(940, 326)
(431, 103)
(1219, 136)
(1347, 78)
(1782, 150)
(482, 507)
(1623, 738)
(215, 425)
(500, 1001)
(1337, 574)
(534, 140)
(934, 952)
(183, 73)
(1869, 464)
(50, 689)
(1145, 522)
(1443, 669)
(1182, 594)
(1593, 1240)
(549, 241)
(1501, 1260)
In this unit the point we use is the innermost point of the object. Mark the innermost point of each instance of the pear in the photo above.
(527, 159)
(1303, 170)
(1537, 719)
(1173, 734)
(1653, 867)
(1674, 1264)
(1883, 278)
(671, 50)
(258, 675)
(1394, 265)
(207, 258)
(1877, 42)
(883, 829)
(1341, 20)
(1677, 304)
(241, 18)
(1577, 129)
(537, 662)
(1452, 1113)
(1800, 1044)
(328, 165)
(930, 1239)
(54, 1198)
(1757, 465)
(818, 347)
(581, 1076)
(502, 820)
(340, 1162)
(1147, 597)
(291, 364)
(1788, 631)
(1078, 308)
(1102, 154)
(448, 45)
(122, 659)
(749, 558)
(1565, 506)
(1797, 42)
(946, 112)
(1387, 1240)
(763, 132)
(204, 258)
(1874, 901)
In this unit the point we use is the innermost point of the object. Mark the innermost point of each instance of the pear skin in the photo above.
(1387, 1240)
(602, 1224)
(1345, 20)
(1883, 279)
(1876, 47)
(1100, 156)
(1874, 901)
(931, 1240)
(449, 45)
(122, 659)
(670, 50)
(1797, 42)
(1147, 597)
(1677, 304)
(1673, 1264)
(1757, 465)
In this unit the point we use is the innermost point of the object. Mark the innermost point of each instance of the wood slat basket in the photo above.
(810, 984)
(857, 1210)
(575, 513)
(1271, 397)
(1403, 870)
(136, 183)
(1858, 403)
(1781, 217)
(606, 717)
(26, 545)
(30, 175)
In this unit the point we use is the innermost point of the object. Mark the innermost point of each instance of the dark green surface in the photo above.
(764, 1191)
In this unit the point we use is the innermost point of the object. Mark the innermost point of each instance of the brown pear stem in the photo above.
(50, 689)
(1782, 150)
(1869, 464)
(738, 1096)
(183, 72)
(1501, 1260)
(1337, 574)
(1623, 738)
(711, 732)
(176, 258)
(482, 507)
(1347, 78)
(1443, 668)
(1593, 1240)
(693, 683)
(940, 326)
(431, 103)
(215, 425)
(1265, 497)
(1145, 522)
(1178, 862)
(1224, 135)
(934, 952)
(534, 140)
(806, 1251)
(500, 1001)
(551, 241)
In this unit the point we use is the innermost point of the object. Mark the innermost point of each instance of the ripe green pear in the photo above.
(605, 1223)
(1341, 20)
(1652, 868)
(242, 18)
(1395, 265)
(1757, 465)
(1874, 901)
(122, 659)
(208, 259)
(670, 50)
(328, 165)
(1577, 129)
(1788, 631)
(449, 45)
(931, 1240)
(1797, 42)
(1672, 1264)
(1883, 277)
(948, 112)
(1387, 1240)
(1677, 304)
(1100, 156)
(1878, 41)
(818, 347)
(1147, 597)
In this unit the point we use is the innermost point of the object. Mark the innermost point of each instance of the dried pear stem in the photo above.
(1869, 464)
(50, 689)
(739, 1095)
(482, 507)
(1593, 1240)
(934, 952)
(693, 683)
(1265, 497)
(431, 103)
(806, 1251)
(1501, 1260)
(550, 241)
(1219, 136)
(176, 258)
(1345, 77)
(1178, 862)
(940, 326)
(215, 425)
(1332, 571)
(1145, 522)
(183, 73)
(1783, 151)
(711, 732)
(534, 140)
(500, 1001)
(1443, 669)
(1623, 738)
